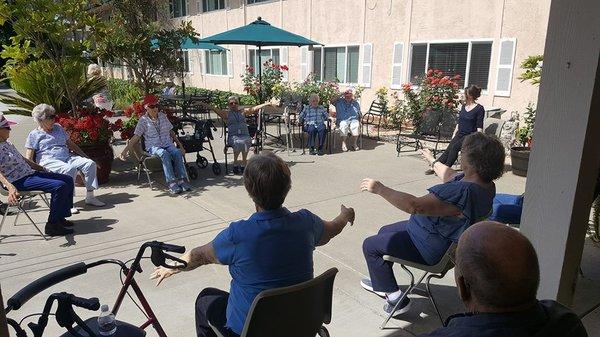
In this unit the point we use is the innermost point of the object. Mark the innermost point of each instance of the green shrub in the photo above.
(123, 93)
(219, 97)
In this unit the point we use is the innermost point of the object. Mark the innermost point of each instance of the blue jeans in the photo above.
(391, 240)
(313, 131)
(60, 187)
(172, 160)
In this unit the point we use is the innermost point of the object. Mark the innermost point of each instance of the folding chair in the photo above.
(24, 196)
(255, 134)
(334, 129)
(437, 271)
(295, 311)
(142, 157)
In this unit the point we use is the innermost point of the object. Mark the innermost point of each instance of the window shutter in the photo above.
(187, 9)
(303, 63)
(366, 64)
(504, 74)
(203, 64)
(199, 6)
(190, 61)
(229, 63)
(397, 66)
(284, 62)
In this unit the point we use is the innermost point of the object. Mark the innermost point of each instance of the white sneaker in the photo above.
(74, 210)
(344, 147)
(94, 202)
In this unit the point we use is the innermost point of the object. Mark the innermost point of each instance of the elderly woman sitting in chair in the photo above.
(437, 218)
(238, 135)
(313, 118)
(50, 146)
(18, 173)
(159, 137)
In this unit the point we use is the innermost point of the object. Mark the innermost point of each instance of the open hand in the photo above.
(348, 214)
(123, 156)
(161, 273)
(426, 153)
(13, 196)
(371, 185)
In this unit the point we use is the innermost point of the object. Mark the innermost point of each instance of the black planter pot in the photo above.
(519, 156)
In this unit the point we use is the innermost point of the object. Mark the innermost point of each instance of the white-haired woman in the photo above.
(50, 146)
(313, 119)
(238, 135)
(101, 100)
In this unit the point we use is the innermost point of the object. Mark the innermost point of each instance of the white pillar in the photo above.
(565, 159)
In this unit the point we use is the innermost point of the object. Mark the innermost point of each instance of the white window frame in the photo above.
(229, 58)
(305, 60)
(468, 65)
(505, 93)
(346, 45)
(259, 3)
(200, 10)
(263, 49)
(187, 9)
(190, 61)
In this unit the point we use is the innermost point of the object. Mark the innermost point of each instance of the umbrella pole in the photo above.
(260, 90)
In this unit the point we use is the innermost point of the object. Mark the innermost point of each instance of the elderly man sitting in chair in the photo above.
(313, 118)
(347, 118)
(497, 275)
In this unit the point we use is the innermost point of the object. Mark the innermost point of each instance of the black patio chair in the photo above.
(376, 114)
(255, 134)
(436, 126)
(295, 311)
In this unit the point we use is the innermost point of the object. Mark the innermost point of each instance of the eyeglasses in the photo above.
(152, 106)
(49, 117)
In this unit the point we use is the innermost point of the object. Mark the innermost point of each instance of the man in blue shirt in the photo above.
(497, 275)
(347, 118)
(271, 249)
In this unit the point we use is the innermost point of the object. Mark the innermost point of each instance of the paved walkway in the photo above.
(138, 214)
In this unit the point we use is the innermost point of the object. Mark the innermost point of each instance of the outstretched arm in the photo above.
(335, 226)
(254, 109)
(425, 205)
(195, 258)
(221, 113)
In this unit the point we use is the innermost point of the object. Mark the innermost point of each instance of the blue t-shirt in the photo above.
(271, 249)
(432, 235)
(49, 145)
(346, 111)
(470, 121)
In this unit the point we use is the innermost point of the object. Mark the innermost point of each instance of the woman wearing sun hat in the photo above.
(159, 137)
(18, 173)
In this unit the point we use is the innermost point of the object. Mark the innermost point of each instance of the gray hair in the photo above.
(40, 111)
(485, 154)
(94, 70)
(313, 95)
(235, 98)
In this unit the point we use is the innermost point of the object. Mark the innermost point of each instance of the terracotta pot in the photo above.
(103, 155)
(519, 156)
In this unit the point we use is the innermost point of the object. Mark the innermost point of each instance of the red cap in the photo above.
(150, 100)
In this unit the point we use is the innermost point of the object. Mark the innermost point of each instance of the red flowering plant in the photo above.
(433, 92)
(272, 75)
(133, 114)
(89, 125)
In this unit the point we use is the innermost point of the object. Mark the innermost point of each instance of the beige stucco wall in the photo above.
(383, 23)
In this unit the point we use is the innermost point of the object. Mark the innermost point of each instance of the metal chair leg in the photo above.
(32, 222)
(4, 216)
(412, 276)
(404, 295)
(147, 171)
(437, 310)
(43, 197)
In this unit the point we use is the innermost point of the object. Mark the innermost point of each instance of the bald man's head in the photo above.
(498, 265)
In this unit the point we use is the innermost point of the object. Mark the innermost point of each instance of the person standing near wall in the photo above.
(470, 119)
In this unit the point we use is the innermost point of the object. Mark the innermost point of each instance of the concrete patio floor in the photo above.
(138, 214)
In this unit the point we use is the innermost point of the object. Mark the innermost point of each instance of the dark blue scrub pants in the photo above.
(60, 187)
(391, 240)
(313, 131)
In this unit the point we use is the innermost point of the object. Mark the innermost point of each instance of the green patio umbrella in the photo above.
(188, 43)
(259, 33)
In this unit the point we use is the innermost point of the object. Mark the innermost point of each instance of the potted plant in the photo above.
(91, 130)
(519, 154)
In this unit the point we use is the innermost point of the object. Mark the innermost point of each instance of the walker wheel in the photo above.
(202, 162)
(193, 172)
(216, 168)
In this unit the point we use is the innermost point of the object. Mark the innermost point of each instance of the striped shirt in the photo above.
(156, 133)
(313, 115)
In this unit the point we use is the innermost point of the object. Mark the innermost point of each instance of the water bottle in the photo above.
(106, 322)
